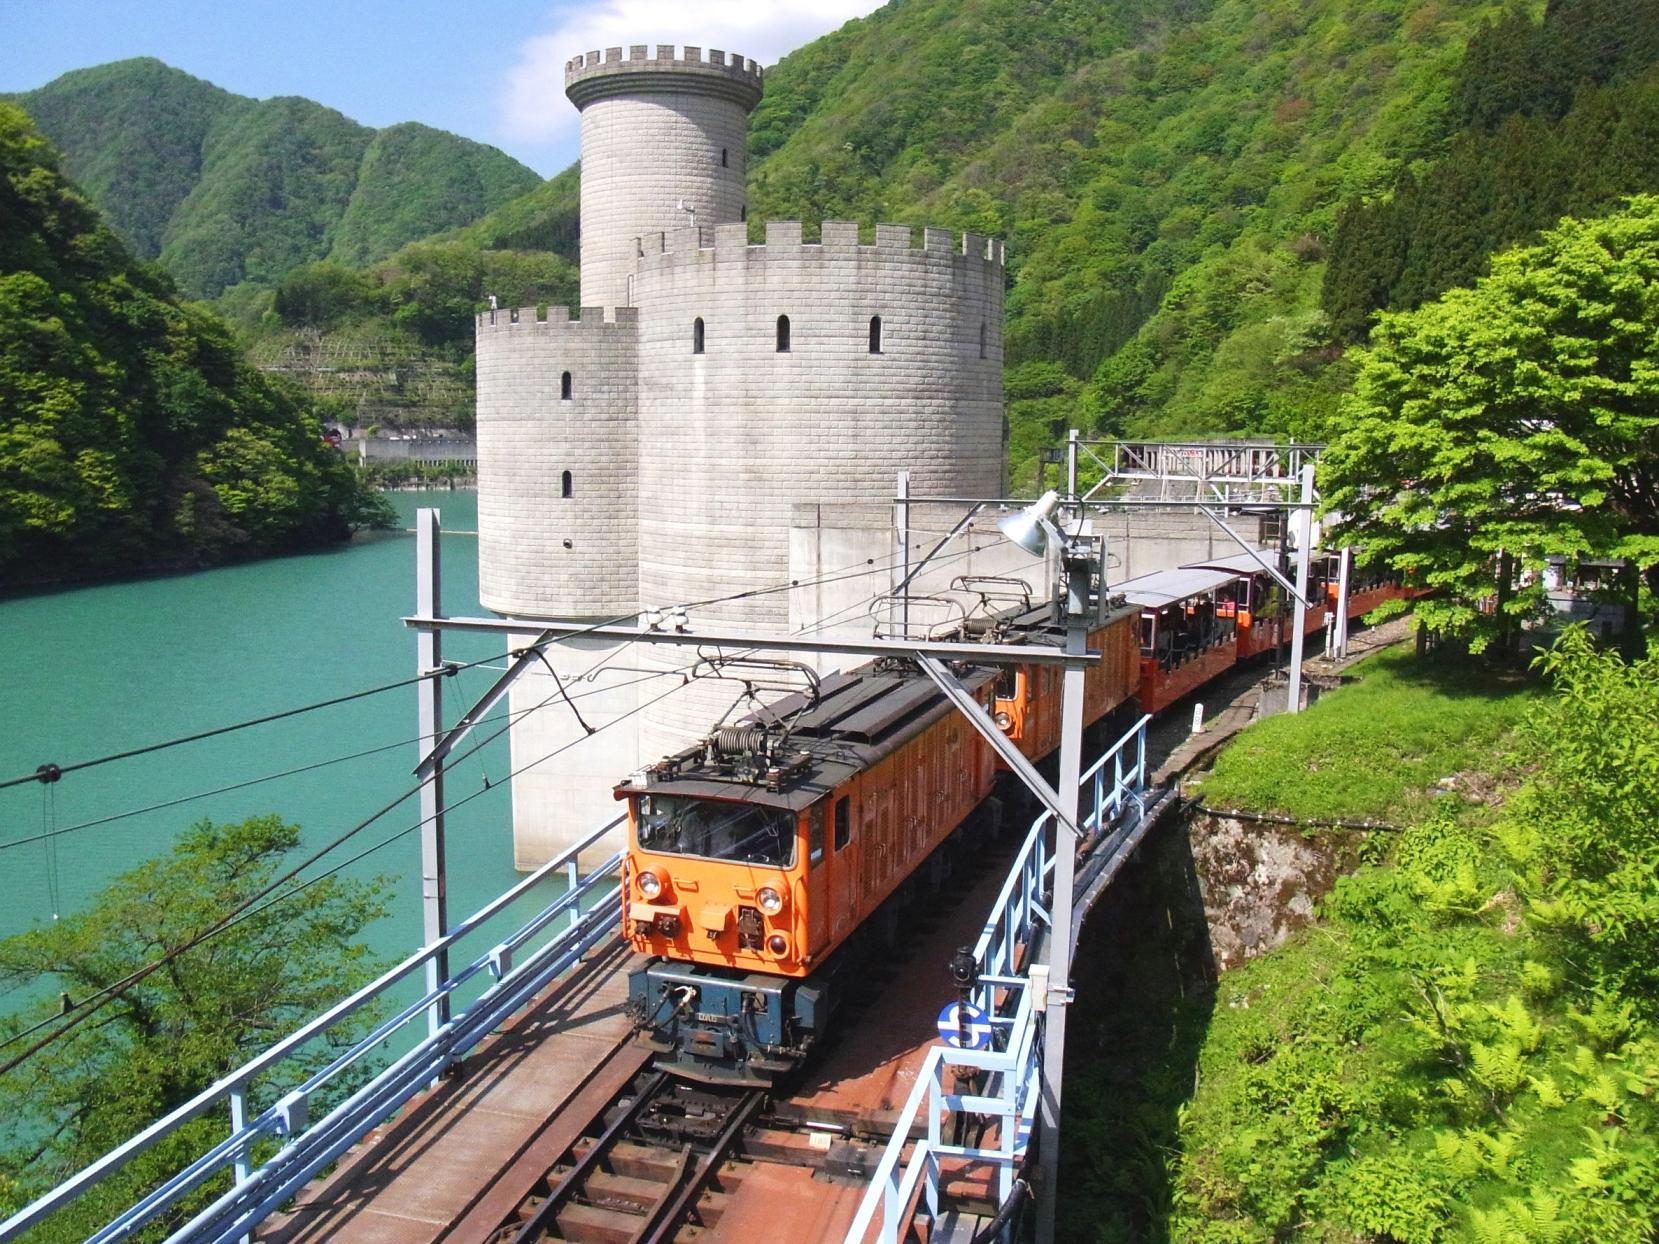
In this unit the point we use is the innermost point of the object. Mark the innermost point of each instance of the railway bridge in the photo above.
(531, 1114)
(499, 1095)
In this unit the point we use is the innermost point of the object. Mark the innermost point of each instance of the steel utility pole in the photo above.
(1304, 550)
(1076, 566)
(429, 657)
(1344, 574)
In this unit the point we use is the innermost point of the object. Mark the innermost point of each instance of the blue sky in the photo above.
(489, 71)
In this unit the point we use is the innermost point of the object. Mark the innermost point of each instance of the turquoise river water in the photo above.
(96, 670)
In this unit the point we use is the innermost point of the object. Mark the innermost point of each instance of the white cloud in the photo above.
(534, 108)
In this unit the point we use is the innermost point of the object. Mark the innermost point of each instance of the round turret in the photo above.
(664, 144)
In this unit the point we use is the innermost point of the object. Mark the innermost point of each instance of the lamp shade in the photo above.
(1029, 528)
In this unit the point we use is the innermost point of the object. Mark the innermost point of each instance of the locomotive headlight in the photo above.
(650, 885)
(1002, 719)
(771, 902)
(777, 944)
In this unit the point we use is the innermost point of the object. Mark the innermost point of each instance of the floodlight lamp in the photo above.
(1031, 528)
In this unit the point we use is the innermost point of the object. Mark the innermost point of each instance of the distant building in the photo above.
(712, 409)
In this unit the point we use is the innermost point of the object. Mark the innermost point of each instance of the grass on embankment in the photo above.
(1376, 747)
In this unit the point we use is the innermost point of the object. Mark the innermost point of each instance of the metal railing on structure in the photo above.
(261, 1181)
(1236, 472)
(1115, 788)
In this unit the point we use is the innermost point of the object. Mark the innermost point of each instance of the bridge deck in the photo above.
(459, 1159)
(441, 1168)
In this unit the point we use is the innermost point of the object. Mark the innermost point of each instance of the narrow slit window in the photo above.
(724, 162)
(982, 341)
(697, 335)
(564, 387)
(743, 213)
(783, 334)
(565, 488)
(875, 334)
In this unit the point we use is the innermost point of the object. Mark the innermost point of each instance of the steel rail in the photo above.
(541, 1222)
(663, 1223)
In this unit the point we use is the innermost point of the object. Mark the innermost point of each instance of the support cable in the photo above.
(87, 1007)
(50, 773)
(90, 1006)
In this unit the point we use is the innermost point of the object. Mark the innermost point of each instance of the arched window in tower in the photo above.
(982, 339)
(875, 334)
(697, 335)
(564, 387)
(724, 162)
(565, 488)
(783, 334)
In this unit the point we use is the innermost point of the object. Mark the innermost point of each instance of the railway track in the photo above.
(643, 1172)
(661, 1159)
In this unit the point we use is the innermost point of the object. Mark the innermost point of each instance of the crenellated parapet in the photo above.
(598, 75)
(786, 240)
(558, 450)
(587, 319)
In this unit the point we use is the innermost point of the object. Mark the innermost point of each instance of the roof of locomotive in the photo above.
(860, 717)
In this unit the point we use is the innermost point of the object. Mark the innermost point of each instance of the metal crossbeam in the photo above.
(987, 654)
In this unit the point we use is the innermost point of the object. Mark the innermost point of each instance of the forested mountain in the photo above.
(1205, 200)
(133, 433)
(1553, 118)
(223, 189)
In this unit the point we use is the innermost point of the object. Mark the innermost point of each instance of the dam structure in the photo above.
(719, 418)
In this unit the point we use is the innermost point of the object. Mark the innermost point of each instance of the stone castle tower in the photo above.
(664, 444)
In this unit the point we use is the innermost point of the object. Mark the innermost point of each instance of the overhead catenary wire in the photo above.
(326, 762)
(86, 1008)
(52, 772)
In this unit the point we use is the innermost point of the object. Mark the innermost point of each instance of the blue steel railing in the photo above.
(306, 1147)
(1114, 787)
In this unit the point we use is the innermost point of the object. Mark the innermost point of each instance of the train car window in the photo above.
(815, 836)
(744, 833)
(843, 821)
(1007, 683)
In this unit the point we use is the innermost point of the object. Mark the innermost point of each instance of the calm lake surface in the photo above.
(96, 670)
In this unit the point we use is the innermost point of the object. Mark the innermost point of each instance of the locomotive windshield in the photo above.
(740, 833)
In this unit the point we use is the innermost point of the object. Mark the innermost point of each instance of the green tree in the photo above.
(181, 1028)
(1512, 421)
(129, 419)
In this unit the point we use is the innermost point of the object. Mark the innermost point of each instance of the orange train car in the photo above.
(1187, 632)
(1261, 611)
(1027, 698)
(756, 855)
(765, 861)
(1368, 587)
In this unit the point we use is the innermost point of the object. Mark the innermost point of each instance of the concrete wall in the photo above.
(656, 132)
(541, 554)
(1143, 542)
(565, 788)
(734, 438)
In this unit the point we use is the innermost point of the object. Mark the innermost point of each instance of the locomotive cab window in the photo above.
(815, 836)
(1008, 683)
(843, 821)
(737, 833)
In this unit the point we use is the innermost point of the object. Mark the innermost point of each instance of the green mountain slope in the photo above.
(132, 135)
(132, 431)
(225, 189)
(1168, 174)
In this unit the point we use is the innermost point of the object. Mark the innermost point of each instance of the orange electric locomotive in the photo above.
(766, 860)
